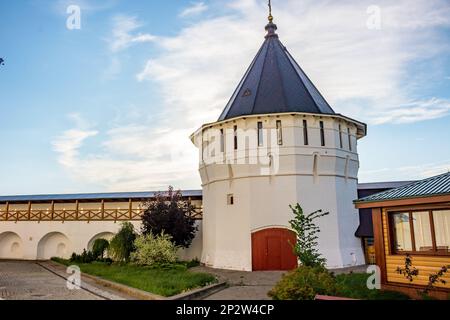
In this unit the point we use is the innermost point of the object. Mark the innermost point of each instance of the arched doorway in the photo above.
(104, 235)
(11, 246)
(54, 244)
(272, 250)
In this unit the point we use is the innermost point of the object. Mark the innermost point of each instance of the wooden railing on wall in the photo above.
(78, 215)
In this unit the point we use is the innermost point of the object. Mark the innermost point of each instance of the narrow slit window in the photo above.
(305, 133)
(222, 141)
(235, 138)
(322, 134)
(340, 137)
(349, 134)
(260, 134)
(230, 199)
(279, 133)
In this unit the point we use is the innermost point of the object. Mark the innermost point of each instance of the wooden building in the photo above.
(412, 220)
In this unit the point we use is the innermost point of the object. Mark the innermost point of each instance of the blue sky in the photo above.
(110, 106)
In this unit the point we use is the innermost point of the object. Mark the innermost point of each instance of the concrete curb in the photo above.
(200, 293)
(195, 294)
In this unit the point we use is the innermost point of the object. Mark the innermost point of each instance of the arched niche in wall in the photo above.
(11, 246)
(54, 244)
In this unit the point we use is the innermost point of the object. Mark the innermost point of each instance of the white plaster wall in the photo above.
(75, 235)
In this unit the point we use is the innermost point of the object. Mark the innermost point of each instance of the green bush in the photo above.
(151, 250)
(122, 244)
(85, 257)
(304, 283)
(193, 263)
(99, 248)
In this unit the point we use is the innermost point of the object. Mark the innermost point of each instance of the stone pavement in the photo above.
(254, 285)
(243, 285)
(29, 281)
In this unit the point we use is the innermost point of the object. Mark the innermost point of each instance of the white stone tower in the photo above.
(277, 143)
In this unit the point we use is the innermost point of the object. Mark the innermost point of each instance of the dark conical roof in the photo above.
(274, 83)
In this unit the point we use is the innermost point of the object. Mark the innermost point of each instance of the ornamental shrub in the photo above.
(99, 248)
(152, 250)
(304, 283)
(122, 244)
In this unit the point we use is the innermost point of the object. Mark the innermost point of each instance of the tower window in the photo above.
(349, 139)
(230, 199)
(235, 138)
(322, 134)
(222, 141)
(279, 133)
(260, 134)
(305, 133)
(340, 136)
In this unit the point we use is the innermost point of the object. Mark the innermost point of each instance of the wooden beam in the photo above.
(130, 208)
(7, 211)
(411, 231)
(403, 202)
(77, 209)
(29, 210)
(103, 209)
(380, 251)
(53, 210)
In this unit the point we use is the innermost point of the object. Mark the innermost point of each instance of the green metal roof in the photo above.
(438, 185)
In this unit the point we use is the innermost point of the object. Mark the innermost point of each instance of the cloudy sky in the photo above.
(110, 106)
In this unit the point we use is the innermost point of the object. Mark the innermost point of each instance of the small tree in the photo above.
(410, 273)
(171, 215)
(99, 248)
(306, 246)
(122, 244)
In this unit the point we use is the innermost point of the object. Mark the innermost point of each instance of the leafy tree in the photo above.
(99, 248)
(306, 246)
(171, 215)
(122, 244)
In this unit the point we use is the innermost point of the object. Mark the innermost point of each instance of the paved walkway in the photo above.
(29, 281)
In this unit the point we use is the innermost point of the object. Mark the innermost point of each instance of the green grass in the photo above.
(164, 281)
(354, 286)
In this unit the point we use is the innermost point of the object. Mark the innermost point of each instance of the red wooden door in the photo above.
(272, 250)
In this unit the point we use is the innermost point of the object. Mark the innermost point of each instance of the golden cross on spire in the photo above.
(270, 12)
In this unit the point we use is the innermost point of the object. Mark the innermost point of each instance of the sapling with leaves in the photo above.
(307, 236)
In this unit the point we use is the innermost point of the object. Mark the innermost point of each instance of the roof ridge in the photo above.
(419, 187)
(267, 42)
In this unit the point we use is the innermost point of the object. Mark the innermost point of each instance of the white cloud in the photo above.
(195, 9)
(122, 33)
(362, 73)
(406, 173)
(414, 111)
(69, 143)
